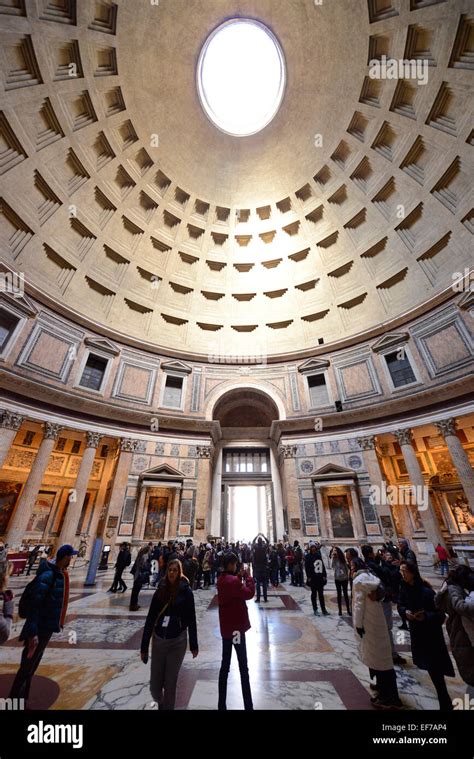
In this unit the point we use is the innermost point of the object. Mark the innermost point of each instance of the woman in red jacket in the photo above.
(233, 591)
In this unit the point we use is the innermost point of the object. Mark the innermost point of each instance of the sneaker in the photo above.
(340, 613)
(316, 613)
(326, 613)
(134, 608)
(257, 600)
(266, 600)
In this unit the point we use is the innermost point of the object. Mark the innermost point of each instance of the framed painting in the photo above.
(156, 518)
(340, 516)
(295, 524)
(9, 492)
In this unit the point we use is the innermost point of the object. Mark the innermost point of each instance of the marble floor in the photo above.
(296, 660)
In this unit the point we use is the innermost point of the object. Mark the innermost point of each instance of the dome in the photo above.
(346, 208)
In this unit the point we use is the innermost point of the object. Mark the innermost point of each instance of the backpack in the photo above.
(298, 554)
(25, 607)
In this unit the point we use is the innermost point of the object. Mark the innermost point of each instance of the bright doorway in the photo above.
(249, 510)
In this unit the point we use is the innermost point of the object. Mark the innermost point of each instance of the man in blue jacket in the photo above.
(46, 615)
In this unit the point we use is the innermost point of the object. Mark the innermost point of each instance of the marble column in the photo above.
(24, 508)
(447, 428)
(78, 493)
(287, 455)
(325, 525)
(138, 526)
(368, 445)
(9, 427)
(428, 513)
(401, 517)
(215, 506)
(203, 495)
(101, 495)
(119, 488)
(277, 495)
(359, 521)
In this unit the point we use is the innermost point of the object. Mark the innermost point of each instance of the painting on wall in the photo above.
(9, 492)
(340, 516)
(41, 511)
(156, 518)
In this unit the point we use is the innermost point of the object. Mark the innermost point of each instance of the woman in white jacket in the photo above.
(372, 636)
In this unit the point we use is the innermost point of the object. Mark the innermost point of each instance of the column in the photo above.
(203, 495)
(101, 494)
(325, 525)
(10, 425)
(138, 525)
(277, 495)
(447, 428)
(290, 489)
(214, 513)
(174, 513)
(117, 495)
(427, 515)
(78, 494)
(400, 511)
(359, 521)
(24, 508)
(377, 479)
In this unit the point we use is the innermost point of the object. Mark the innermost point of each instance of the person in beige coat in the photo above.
(373, 640)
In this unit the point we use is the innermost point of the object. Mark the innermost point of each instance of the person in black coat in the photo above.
(317, 577)
(170, 617)
(141, 575)
(428, 647)
(124, 559)
(46, 614)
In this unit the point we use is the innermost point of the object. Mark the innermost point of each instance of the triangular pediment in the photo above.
(163, 471)
(392, 340)
(17, 300)
(313, 365)
(334, 469)
(101, 344)
(176, 366)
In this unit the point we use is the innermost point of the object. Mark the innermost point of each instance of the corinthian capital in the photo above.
(447, 426)
(51, 430)
(367, 443)
(404, 437)
(288, 451)
(127, 445)
(204, 451)
(93, 439)
(11, 420)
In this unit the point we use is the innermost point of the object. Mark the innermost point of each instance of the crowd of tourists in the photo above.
(370, 582)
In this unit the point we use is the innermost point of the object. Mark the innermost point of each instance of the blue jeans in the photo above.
(444, 567)
(241, 651)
